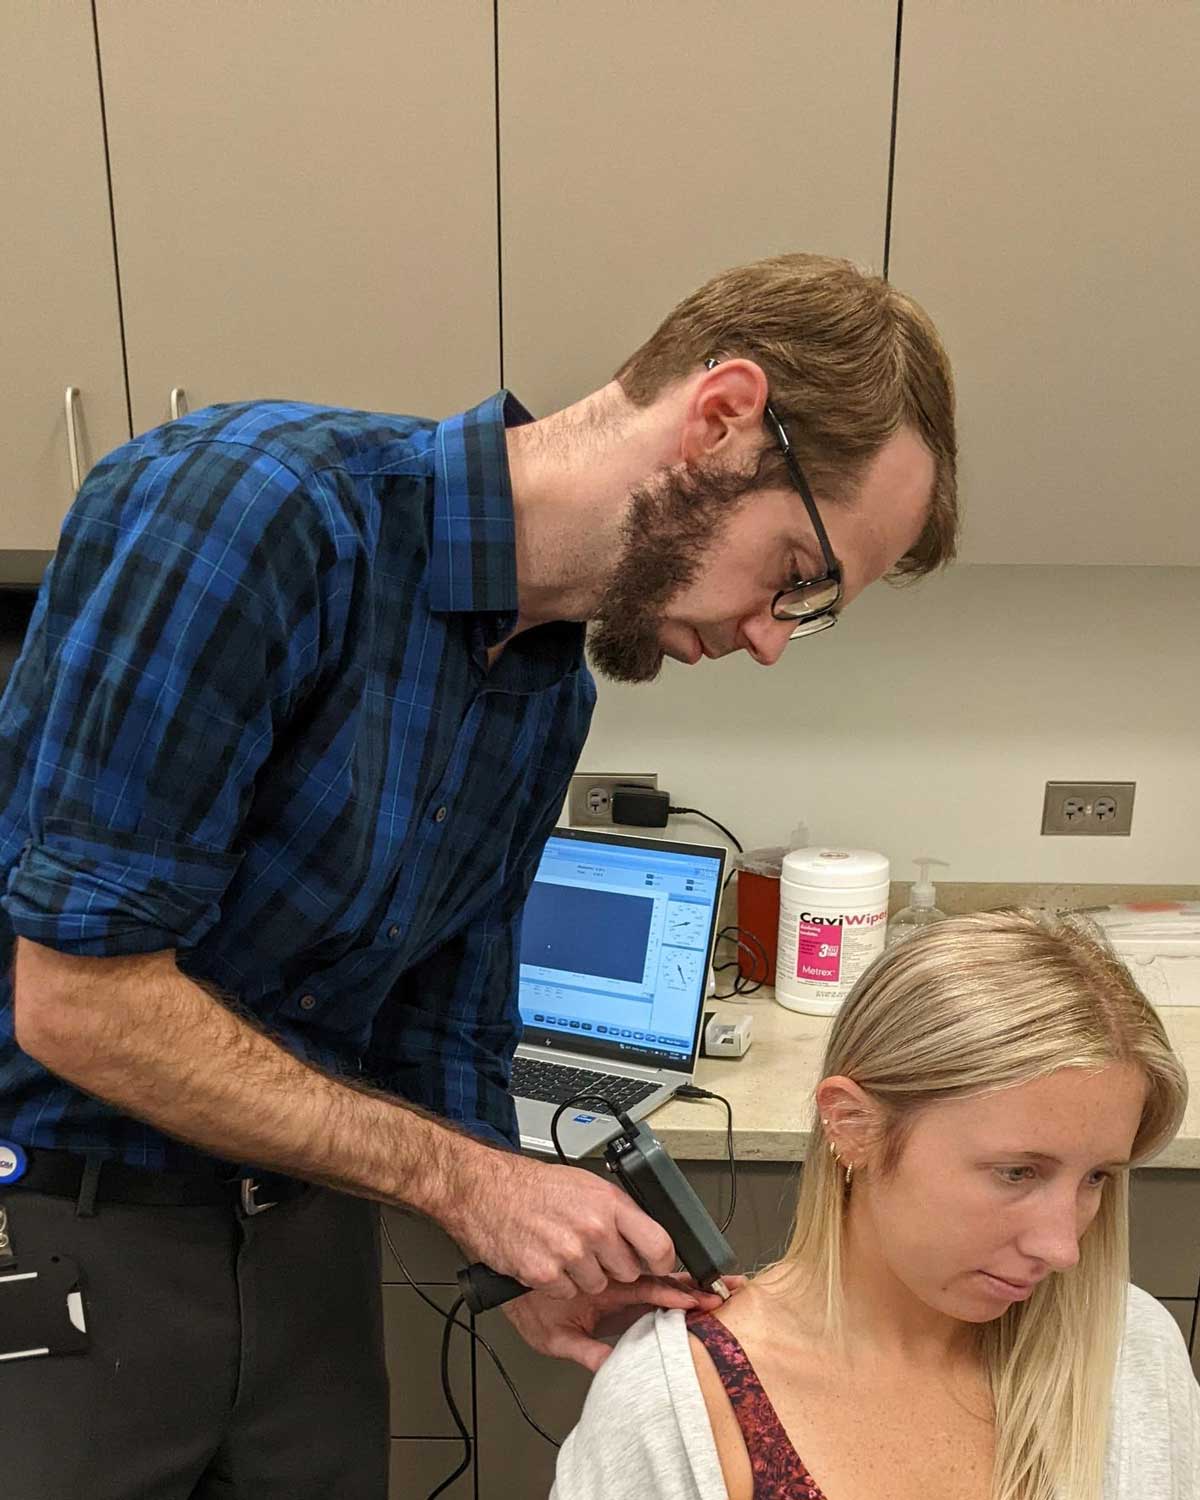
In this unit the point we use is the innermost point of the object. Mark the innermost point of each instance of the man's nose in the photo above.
(765, 637)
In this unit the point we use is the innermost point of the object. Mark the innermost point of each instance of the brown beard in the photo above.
(673, 521)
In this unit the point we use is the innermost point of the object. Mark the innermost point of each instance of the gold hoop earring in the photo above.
(849, 1173)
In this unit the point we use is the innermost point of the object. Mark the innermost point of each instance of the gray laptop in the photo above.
(616, 941)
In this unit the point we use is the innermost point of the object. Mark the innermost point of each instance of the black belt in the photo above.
(62, 1174)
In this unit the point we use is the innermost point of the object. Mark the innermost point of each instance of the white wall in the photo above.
(929, 720)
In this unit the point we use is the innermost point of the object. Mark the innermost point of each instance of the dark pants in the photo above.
(232, 1358)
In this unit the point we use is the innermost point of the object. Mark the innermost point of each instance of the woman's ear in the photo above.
(851, 1119)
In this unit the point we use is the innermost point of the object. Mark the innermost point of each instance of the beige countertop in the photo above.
(771, 1088)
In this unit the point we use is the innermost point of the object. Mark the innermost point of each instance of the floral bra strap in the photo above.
(778, 1471)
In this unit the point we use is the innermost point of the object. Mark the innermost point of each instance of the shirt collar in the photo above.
(473, 563)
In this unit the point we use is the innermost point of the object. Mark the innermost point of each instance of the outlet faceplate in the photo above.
(589, 802)
(1088, 807)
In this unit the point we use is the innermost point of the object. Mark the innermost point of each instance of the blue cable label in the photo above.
(12, 1163)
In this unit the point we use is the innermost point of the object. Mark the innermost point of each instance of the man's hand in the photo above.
(574, 1329)
(560, 1230)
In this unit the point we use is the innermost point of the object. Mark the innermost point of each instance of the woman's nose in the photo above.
(1053, 1233)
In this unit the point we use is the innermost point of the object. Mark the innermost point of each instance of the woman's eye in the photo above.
(1098, 1179)
(1016, 1175)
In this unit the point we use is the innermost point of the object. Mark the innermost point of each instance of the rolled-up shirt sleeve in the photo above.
(188, 616)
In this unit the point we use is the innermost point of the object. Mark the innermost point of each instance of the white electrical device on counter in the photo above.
(1160, 943)
(724, 1037)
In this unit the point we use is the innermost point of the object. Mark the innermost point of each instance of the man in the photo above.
(296, 712)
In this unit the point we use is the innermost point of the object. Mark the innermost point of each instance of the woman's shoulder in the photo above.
(644, 1428)
(1154, 1443)
(1153, 1362)
(1149, 1326)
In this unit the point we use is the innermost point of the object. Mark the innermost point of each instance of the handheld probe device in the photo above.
(637, 1158)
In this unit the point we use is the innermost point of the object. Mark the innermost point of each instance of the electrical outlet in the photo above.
(1088, 807)
(589, 803)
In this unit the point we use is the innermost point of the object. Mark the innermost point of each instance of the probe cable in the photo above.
(691, 1091)
(450, 1315)
(452, 1320)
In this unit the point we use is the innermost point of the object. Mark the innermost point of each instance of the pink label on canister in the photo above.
(818, 952)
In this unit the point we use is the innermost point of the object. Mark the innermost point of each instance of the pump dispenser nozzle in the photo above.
(920, 911)
(924, 893)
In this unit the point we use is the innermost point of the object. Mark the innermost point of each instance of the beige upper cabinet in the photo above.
(305, 200)
(645, 147)
(59, 321)
(1047, 213)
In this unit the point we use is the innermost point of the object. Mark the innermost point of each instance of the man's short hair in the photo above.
(849, 360)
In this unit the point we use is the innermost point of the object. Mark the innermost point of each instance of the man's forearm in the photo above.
(142, 1036)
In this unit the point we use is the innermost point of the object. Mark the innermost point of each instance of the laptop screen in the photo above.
(616, 940)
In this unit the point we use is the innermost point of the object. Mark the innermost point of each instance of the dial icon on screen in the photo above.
(687, 925)
(681, 969)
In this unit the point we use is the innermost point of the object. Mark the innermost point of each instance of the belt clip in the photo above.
(250, 1205)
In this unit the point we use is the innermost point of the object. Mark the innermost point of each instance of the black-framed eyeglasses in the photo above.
(811, 602)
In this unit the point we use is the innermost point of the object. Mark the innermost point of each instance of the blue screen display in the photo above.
(614, 943)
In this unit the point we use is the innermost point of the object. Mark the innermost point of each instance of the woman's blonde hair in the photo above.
(966, 1007)
(849, 360)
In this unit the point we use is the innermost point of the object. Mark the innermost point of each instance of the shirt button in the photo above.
(308, 1002)
(393, 931)
(440, 815)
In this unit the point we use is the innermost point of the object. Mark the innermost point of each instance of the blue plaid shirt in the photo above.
(253, 722)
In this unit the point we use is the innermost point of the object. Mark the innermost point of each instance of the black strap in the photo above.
(90, 1180)
(89, 1183)
(8, 1251)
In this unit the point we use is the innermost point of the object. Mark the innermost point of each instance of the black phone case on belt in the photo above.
(41, 1308)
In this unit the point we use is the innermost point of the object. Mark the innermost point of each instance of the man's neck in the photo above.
(571, 475)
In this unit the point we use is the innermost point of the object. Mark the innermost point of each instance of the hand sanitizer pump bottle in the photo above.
(921, 911)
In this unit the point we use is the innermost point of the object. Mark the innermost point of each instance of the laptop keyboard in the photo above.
(551, 1083)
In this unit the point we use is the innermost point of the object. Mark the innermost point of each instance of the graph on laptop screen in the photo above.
(615, 942)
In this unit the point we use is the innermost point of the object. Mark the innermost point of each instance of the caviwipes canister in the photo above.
(833, 909)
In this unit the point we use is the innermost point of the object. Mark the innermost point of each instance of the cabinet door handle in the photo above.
(72, 404)
(179, 404)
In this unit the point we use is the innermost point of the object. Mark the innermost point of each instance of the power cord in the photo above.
(686, 1091)
(746, 942)
(648, 807)
(694, 812)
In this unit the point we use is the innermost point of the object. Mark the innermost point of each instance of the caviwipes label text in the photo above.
(846, 919)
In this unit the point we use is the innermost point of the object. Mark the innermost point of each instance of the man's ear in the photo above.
(851, 1118)
(723, 414)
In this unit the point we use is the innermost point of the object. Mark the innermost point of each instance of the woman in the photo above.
(952, 1319)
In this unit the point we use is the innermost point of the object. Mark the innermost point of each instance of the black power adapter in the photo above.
(640, 806)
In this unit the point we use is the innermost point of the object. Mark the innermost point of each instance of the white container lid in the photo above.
(836, 869)
(1162, 930)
